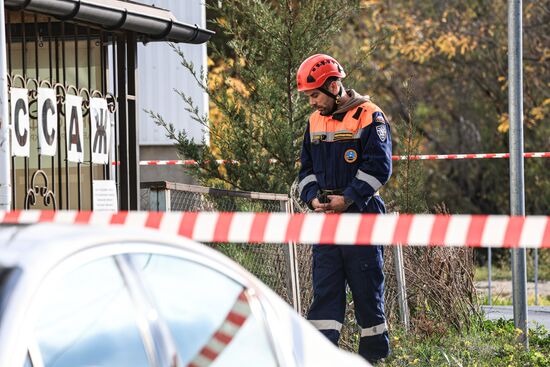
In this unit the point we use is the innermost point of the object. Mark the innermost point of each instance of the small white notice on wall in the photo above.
(105, 197)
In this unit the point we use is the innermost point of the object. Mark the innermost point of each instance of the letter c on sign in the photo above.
(48, 106)
(20, 108)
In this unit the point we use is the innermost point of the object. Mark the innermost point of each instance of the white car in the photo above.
(88, 296)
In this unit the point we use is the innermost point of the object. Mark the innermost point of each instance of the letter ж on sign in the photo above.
(101, 130)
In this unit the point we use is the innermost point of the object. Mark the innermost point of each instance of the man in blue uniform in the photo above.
(345, 160)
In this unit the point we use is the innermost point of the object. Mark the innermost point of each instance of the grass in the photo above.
(505, 273)
(507, 301)
(497, 273)
(502, 271)
(487, 344)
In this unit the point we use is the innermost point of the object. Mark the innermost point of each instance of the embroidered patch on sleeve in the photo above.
(382, 132)
(378, 117)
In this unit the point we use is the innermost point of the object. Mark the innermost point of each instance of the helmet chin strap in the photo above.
(336, 98)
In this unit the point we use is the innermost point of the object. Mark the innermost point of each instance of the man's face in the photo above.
(320, 101)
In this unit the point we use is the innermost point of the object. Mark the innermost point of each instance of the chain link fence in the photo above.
(273, 264)
(435, 276)
(284, 268)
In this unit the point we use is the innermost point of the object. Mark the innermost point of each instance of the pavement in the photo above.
(536, 315)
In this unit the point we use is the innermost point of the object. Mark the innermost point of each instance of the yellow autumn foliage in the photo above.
(449, 44)
(218, 78)
(503, 123)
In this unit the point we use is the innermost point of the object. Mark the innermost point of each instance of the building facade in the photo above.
(161, 74)
(74, 103)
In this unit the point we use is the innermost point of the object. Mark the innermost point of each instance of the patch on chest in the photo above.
(350, 155)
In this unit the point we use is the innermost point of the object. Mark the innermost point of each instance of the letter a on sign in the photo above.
(47, 121)
(101, 130)
(20, 134)
(74, 128)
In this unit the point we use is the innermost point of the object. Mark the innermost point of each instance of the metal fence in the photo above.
(284, 268)
(78, 59)
(273, 264)
(287, 268)
(535, 261)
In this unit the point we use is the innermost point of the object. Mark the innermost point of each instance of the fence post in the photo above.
(292, 265)
(401, 286)
(490, 276)
(159, 199)
(536, 276)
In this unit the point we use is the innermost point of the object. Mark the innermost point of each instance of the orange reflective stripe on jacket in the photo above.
(326, 128)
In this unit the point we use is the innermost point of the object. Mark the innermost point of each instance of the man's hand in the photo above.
(336, 204)
(319, 207)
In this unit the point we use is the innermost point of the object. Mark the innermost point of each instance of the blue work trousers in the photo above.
(360, 267)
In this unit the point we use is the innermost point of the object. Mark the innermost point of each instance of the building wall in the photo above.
(160, 72)
(162, 173)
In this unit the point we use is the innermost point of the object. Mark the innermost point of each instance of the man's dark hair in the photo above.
(329, 80)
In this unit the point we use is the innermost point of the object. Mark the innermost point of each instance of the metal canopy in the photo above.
(151, 22)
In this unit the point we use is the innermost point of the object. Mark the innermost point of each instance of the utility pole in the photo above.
(517, 192)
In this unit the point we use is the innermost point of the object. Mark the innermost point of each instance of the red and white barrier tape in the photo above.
(467, 156)
(340, 229)
(186, 162)
(190, 162)
(224, 335)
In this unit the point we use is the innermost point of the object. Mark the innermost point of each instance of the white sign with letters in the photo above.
(47, 121)
(20, 129)
(101, 130)
(47, 116)
(74, 128)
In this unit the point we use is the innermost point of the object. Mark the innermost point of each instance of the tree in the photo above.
(454, 55)
(256, 116)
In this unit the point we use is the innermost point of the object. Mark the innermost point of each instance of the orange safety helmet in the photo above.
(315, 70)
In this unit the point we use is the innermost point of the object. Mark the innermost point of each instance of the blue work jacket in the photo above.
(349, 151)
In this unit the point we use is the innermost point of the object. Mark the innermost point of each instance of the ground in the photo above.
(503, 289)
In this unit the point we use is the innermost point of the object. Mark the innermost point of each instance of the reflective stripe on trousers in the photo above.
(374, 330)
(327, 325)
